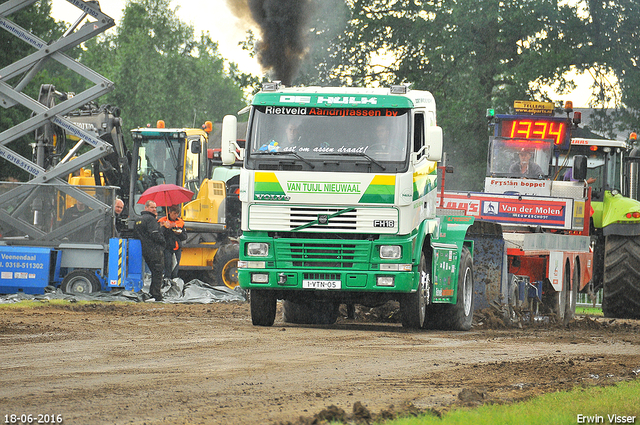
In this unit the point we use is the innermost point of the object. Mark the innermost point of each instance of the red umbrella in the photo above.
(165, 195)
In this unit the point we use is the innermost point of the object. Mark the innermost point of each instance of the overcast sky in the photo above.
(215, 17)
(204, 15)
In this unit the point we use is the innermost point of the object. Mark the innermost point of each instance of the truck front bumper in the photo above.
(362, 281)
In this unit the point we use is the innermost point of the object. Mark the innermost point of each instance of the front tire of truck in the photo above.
(321, 313)
(621, 289)
(81, 282)
(263, 307)
(459, 316)
(413, 306)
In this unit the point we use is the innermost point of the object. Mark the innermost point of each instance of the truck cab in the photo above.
(338, 192)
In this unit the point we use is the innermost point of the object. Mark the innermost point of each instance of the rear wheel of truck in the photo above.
(459, 316)
(319, 313)
(413, 306)
(263, 307)
(81, 282)
(225, 266)
(621, 289)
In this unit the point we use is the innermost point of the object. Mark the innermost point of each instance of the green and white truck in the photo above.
(338, 192)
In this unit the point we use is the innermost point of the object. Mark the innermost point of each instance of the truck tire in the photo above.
(413, 306)
(263, 307)
(225, 266)
(320, 313)
(81, 282)
(459, 316)
(621, 289)
(572, 295)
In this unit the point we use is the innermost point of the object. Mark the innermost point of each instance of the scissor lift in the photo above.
(30, 212)
(24, 69)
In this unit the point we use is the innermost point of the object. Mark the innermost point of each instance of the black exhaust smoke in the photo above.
(283, 30)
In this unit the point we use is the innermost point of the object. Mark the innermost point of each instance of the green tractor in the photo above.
(613, 173)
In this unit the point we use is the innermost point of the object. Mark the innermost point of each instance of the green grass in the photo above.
(590, 311)
(553, 408)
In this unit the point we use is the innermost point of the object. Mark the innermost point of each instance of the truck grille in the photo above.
(319, 254)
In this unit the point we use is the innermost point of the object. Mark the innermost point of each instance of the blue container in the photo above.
(25, 269)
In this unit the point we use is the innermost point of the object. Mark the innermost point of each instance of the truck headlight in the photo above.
(257, 249)
(390, 251)
(242, 264)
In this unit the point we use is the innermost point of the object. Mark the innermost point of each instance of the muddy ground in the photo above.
(156, 363)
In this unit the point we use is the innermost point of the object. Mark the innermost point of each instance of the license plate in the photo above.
(321, 284)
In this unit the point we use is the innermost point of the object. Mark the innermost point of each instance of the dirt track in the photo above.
(159, 363)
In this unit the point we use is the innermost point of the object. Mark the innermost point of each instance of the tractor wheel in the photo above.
(621, 293)
(572, 295)
(319, 313)
(413, 306)
(225, 266)
(81, 282)
(459, 316)
(263, 307)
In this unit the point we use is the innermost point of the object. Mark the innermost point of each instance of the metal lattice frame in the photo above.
(28, 67)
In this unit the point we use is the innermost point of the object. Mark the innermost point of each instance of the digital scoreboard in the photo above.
(535, 128)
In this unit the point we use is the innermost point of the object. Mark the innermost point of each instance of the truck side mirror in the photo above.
(229, 138)
(433, 143)
(579, 167)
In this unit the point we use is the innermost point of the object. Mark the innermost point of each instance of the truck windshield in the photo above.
(324, 139)
(528, 158)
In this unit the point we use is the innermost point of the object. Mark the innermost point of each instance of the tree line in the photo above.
(471, 54)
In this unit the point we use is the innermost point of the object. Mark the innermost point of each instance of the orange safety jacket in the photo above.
(173, 235)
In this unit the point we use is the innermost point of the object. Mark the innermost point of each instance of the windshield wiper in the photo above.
(285, 153)
(362, 154)
(174, 156)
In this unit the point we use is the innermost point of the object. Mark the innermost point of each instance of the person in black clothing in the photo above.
(74, 213)
(148, 230)
(121, 224)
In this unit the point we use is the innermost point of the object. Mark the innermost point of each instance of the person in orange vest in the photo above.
(174, 234)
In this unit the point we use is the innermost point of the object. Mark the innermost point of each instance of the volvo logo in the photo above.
(323, 219)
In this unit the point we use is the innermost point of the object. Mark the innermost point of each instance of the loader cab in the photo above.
(175, 156)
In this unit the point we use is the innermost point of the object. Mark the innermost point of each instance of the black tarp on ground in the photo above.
(173, 291)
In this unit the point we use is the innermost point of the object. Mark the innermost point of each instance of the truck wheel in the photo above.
(459, 316)
(413, 306)
(81, 282)
(263, 307)
(225, 266)
(621, 293)
(572, 295)
(320, 313)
